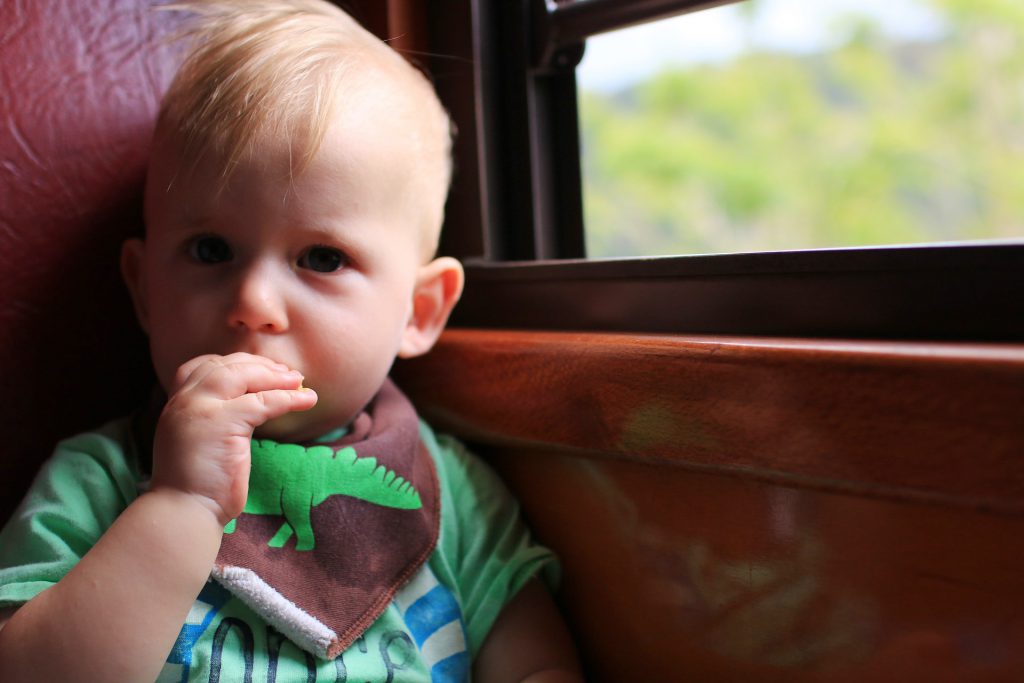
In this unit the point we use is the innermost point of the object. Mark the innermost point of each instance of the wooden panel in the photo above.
(924, 421)
(673, 575)
(770, 510)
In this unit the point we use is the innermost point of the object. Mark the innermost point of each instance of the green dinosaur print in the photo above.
(290, 480)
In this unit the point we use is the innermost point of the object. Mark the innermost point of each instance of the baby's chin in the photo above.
(294, 428)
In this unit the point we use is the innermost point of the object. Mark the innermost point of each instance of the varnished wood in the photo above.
(759, 510)
(674, 575)
(941, 422)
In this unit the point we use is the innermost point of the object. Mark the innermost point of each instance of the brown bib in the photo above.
(331, 530)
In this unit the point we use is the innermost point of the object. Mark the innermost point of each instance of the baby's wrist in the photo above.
(193, 505)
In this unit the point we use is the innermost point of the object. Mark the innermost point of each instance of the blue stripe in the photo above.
(213, 594)
(454, 669)
(431, 612)
(181, 653)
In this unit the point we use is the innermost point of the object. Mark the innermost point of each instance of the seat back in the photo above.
(80, 85)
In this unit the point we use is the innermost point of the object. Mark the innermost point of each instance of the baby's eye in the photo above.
(322, 259)
(209, 249)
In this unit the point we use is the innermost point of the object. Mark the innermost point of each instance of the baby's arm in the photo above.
(528, 643)
(117, 613)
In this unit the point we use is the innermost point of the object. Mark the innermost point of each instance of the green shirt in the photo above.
(430, 632)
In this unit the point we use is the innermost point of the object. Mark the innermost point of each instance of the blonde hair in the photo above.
(273, 68)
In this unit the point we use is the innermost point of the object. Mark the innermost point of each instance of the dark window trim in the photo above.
(941, 293)
(515, 215)
(568, 23)
(528, 143)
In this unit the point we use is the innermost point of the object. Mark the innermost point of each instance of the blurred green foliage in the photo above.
(877, 141)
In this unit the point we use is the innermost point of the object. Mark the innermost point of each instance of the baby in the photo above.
(293, 206)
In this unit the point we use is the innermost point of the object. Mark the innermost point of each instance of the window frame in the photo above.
(507, 73)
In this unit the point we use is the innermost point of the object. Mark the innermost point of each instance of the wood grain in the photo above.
(758, 509)
(940, 422)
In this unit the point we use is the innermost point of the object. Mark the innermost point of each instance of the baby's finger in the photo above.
(240, 378)
(185, 374)
(258, 407)
(194, 371)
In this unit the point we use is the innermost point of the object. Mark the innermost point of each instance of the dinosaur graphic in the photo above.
(290, 480)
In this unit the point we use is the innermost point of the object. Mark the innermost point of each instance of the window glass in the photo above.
(795, 124)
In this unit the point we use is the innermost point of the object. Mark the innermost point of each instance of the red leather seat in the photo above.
(80, 85)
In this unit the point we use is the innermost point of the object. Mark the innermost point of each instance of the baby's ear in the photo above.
(438, 288)
(134, 274)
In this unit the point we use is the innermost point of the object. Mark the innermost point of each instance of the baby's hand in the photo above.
(202, 440)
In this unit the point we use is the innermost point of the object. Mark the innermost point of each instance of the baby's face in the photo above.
(316, 271)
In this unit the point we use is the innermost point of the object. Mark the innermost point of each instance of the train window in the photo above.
(772, 244)
(783, 124)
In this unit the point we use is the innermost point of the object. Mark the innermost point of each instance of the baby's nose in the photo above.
(258, 304)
